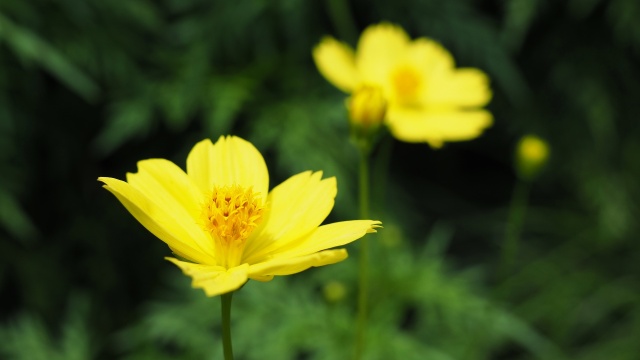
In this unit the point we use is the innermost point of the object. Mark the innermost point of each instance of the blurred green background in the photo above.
(87, 88)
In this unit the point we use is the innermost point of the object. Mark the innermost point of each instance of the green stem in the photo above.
(364, 255)
(226, 325)
(381, 172)
(364, 184)
(517, 212)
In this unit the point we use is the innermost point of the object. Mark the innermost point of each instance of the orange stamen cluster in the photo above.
(231, 215)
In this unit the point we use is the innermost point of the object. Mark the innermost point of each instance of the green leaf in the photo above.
(129, 119)
(14, 218)
(31, 48)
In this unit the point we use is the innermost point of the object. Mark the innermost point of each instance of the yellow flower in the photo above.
(226, 227)
(428, 99)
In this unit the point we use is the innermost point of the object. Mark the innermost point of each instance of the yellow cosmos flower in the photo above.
(427, 98)
(224, 224)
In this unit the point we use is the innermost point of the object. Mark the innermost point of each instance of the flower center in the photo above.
(406, 83)
(231, 214)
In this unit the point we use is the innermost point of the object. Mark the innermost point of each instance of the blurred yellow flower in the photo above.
(428, 99)
(531, 155)
(225, 226)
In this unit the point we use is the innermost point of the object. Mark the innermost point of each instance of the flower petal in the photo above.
(296, 207)
(431, 56)
(214, 280)
(437, 126)
(328, 236)
(444, 83)
(463, 87)
(166, 183)
(379, 48)
(431, 62)
(158, 221)
(231, 161)
(169, 188)
(336, 62)
(286, 266)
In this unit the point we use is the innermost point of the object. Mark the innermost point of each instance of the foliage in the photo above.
(26, 336)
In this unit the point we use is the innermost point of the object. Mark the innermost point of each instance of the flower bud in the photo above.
(367, 108)
(531, 156)
(334, 291)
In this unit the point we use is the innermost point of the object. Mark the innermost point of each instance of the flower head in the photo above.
(427, 98)
(220, 219)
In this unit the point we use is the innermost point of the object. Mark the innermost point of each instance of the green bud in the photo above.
(532, 154)
(334, 291)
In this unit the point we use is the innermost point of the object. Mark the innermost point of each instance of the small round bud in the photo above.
(532, 154)
(367, 107)
(334, 291)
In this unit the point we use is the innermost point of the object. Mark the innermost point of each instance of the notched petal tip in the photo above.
(112, 183)
(376, 224)
(234, 138)
(206, 142)
(105, 180)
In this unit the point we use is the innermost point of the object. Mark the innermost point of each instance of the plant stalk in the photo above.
(226, 325)
(517, 212)
(363, 278)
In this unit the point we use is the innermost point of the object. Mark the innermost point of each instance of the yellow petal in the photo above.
(286, 266)
(437, 126)
(336, 62)
(168, 187)
(443, 83)
(158, 221)
(412, 75)
(380, 47)
(463, 87)
(214, 280)
(328, 236)
(231, 161)
(296, 207)
(431, 56)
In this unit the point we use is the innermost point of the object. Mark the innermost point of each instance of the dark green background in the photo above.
(87, 88)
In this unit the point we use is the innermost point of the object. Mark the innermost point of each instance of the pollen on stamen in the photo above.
(230, 214)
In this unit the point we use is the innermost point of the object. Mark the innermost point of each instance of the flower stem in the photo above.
(364, 255)
(517, 212)
(226, 325)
